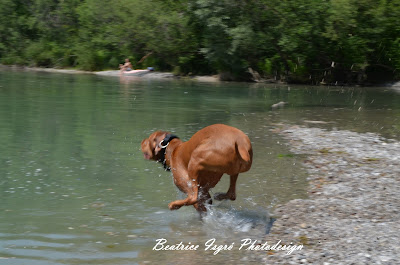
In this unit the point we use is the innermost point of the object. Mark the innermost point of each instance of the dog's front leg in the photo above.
(190, 200)
(186, 182)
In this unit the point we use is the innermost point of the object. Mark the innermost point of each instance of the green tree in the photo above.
(293, 40)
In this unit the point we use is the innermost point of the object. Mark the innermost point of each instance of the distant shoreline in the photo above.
(159, 75)
(40, 69)
(114, 73)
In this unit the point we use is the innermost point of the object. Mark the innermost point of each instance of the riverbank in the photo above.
(40, 69)
(351, 216)
(160, 75)
(145, 74)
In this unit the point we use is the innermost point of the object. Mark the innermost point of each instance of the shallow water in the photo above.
(75, 188)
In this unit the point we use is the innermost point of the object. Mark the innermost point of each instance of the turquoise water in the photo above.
(75, 188)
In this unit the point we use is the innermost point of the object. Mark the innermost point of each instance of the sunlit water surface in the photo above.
(75, 188)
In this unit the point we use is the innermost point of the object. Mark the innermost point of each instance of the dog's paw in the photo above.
(172, 206)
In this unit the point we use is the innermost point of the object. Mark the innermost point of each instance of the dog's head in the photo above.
(150, 146)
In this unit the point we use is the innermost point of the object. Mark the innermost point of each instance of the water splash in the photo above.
(225, 220)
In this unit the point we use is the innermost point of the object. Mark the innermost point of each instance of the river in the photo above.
(75, 188)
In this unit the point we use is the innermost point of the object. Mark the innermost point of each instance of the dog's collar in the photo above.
(163, 145)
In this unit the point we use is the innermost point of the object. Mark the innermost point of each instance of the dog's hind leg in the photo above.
(231, 194)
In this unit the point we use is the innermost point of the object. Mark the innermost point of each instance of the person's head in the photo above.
(127, 60)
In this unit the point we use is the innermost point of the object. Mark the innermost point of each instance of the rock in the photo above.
(279, 105)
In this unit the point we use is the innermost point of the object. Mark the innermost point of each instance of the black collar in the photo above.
(163, 145)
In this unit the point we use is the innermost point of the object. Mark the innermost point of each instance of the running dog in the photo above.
(198, 164)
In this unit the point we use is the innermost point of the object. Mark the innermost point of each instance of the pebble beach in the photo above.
(352, 213)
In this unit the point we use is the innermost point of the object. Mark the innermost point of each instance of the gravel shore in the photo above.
(158, 75)
(352, 214)
(142, 74)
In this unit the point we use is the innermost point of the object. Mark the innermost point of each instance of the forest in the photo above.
(296, 41)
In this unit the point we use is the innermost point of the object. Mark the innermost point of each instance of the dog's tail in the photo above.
(245, 150)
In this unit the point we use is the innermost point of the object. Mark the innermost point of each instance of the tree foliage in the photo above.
(294, 40)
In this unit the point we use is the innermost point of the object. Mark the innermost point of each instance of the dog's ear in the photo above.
(150, 146)
(157, 142)
(146, 150)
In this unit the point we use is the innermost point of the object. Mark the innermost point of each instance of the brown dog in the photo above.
(198, 164)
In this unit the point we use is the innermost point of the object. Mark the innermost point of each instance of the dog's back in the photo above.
(224, 148)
